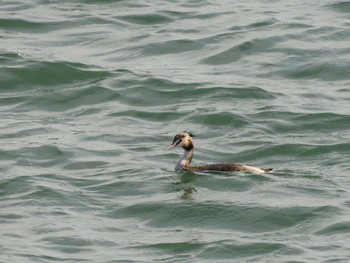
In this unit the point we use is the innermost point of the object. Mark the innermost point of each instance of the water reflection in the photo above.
(184, 185)
(188, 193)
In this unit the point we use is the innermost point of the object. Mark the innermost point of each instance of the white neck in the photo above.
(185, 160)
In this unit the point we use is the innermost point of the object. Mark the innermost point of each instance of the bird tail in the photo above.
(267, 170)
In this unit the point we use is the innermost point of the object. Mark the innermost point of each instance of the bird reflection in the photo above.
(188, 193)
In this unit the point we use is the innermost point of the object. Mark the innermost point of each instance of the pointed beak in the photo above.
(170, 147)
(176, 143)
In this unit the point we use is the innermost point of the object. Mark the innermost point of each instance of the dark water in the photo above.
(91, 92)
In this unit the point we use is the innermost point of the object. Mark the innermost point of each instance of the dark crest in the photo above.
(180, 136)
(189, 133)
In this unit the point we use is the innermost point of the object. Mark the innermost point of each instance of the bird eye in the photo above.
(176, 138)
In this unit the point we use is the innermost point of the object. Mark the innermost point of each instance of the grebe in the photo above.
(184, 139)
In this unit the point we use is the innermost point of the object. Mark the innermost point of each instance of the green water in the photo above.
(91, 92)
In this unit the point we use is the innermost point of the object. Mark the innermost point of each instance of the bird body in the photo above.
(184, 139)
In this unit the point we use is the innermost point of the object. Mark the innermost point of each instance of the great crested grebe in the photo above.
(184, 139)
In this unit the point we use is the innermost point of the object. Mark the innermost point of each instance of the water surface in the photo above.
(91, 92)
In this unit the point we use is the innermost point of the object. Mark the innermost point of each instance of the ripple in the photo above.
(146, 19)
(179, 247)
(229, 250)
(92, 92)
(334, 229)
(323, 71)
(223, 118)
(170, 47)
(241, 50)
(248, 219)
(341, 6)
(20, 24)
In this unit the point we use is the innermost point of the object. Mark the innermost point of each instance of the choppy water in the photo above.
(92, 91)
